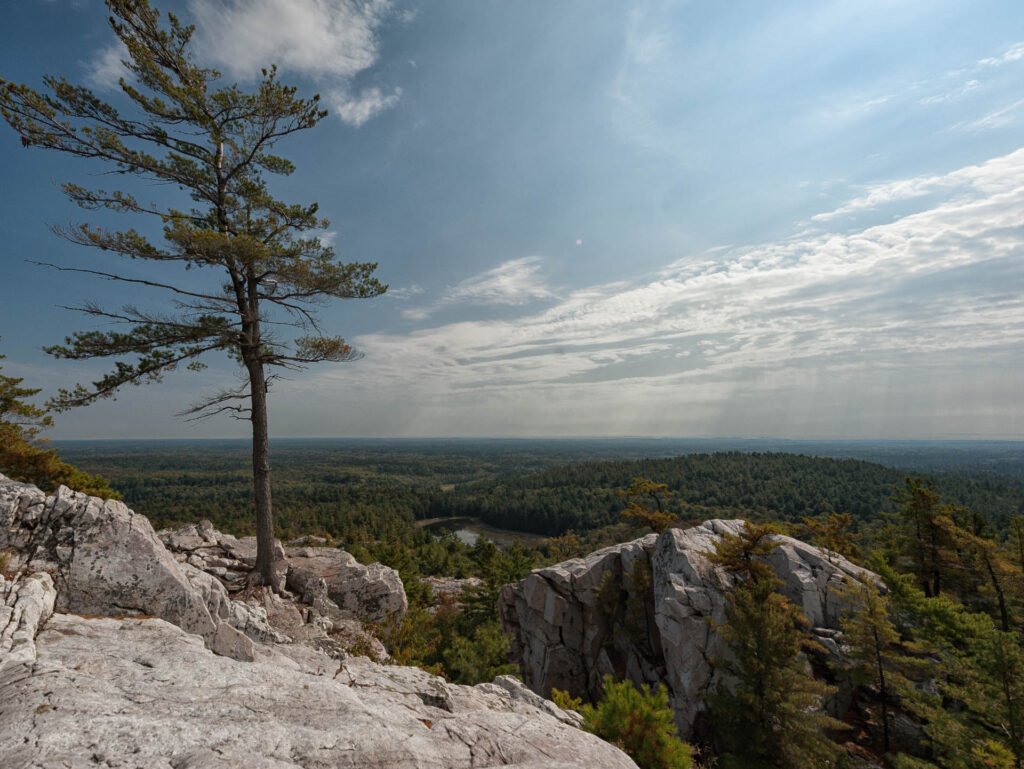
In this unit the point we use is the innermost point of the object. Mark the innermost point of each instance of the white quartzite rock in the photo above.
(141, 693)
(105, 559)
(25, 604)
(373, 592)
(650, 621)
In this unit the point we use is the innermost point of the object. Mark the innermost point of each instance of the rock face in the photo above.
(104, 559)
(127, 689)
(143, 693)
(641, 610)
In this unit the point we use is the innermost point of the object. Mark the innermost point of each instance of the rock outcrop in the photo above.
(109, 644)
(143, 693)
(104, 558)
(641, 609)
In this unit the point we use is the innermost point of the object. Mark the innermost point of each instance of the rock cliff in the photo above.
(119, 651)
(641, 609)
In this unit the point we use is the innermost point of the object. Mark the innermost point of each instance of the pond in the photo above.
(469, 530)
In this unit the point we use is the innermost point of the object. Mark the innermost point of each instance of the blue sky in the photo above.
(788, 219)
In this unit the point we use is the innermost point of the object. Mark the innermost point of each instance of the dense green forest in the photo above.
(364, 492)
(782, 487)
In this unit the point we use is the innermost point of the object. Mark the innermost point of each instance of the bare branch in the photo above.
(140, 281)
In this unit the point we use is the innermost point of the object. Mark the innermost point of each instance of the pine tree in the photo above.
(640, 722)
(771, 716)
(640, 514)
(976, 719)
(832, 534)
(215, 143)
(25, 457)
(872, 648)
(930, 532)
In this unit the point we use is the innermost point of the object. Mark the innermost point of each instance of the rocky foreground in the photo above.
(119, 650)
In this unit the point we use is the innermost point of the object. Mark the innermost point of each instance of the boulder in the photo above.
(104, 558)
(374, 593)
(641, 610)
(337, 588)
(142, 693)
(451, 588)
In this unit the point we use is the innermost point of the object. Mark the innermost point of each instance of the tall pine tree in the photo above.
(264, 270)
(771, 715)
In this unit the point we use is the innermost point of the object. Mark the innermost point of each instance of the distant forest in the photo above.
(778, 487)
(370, 491)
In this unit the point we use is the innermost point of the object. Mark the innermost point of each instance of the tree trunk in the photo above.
(261, 475)
(1004, 612)
(882, 689)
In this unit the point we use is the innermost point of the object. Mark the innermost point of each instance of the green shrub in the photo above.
(640, 723)
(565, 701)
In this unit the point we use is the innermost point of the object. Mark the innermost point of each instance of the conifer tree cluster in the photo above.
(25, 457)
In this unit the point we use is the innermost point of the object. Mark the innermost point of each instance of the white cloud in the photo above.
(106, 70)
(313, 37)
(798, 327)
(357, 109)
(404, 292)
(996, 175)
(1013, 53)
(331, 41)
(515, 282)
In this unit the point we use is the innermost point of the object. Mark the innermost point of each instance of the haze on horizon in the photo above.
(669, 218)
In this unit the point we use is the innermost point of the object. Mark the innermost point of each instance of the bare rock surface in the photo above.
(641, 609)
(143, 693)
(25, 604)
(372, 592)
(158, 659)
(451, 588)
(104, 558)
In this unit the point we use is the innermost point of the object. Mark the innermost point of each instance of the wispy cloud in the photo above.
(954, 94)
(943, 285)
(998, 118)
(403, 292)
(1013, 53)
(105, 71)
(994, 176)
(515, 282)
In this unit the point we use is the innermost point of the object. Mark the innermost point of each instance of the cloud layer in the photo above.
(800, 329)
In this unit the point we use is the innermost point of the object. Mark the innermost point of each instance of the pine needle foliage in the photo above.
(770, 716)
(646, 508)
(874, 654)
(640, 722)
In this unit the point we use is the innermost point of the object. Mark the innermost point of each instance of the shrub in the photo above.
(640, 723)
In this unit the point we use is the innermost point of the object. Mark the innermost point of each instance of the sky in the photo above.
(632, 218)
